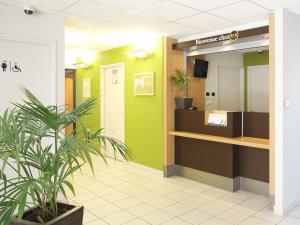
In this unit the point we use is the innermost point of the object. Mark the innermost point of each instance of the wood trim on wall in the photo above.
(173, 59)
(272, 103)
(196, 85)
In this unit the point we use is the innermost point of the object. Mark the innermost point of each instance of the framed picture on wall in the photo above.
(143, 84)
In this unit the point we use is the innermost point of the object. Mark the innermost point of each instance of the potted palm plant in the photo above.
(179, 80)
(37, 161)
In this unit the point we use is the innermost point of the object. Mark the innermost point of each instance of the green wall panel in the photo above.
(143, 114)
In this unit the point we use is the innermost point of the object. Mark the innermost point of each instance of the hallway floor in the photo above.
(124, 193)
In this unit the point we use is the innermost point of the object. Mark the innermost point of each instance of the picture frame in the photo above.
(143, 84)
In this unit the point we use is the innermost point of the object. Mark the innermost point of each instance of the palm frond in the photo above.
(33, 146)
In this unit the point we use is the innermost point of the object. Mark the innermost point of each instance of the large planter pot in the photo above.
(73, 216)
(183, 103)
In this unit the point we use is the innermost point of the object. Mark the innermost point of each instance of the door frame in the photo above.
(72, 73)
(102, 94)
(249, 84)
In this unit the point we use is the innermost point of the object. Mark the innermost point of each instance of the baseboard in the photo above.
(285, 209)
(254, 186)
(146, 168)
(229, 184)
(140, 166)
(169, 170)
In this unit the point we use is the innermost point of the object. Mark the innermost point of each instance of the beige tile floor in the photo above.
(123, 193)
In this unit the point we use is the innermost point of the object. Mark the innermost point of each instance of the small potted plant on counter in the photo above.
(179, 80)
(37, 160)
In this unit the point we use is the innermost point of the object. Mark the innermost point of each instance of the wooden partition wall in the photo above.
(173, 59)
(196, 86)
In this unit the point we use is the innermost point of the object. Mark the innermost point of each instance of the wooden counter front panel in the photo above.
(194, 121)
(217, 158)
(254, 163)
(256, 124)
(222, 159)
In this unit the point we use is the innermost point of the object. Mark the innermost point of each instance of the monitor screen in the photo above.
(200, 68)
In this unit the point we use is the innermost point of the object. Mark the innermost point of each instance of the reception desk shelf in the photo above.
(242, 141)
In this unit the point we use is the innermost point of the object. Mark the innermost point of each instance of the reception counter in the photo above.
(221, 156)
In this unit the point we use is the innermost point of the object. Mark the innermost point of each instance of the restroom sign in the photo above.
(10, 66)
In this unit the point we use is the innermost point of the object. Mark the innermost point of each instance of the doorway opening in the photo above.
(70, 95)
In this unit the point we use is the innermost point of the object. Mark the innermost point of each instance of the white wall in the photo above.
(38, 28)
(37, 43)
(287, 119)
(228, 59)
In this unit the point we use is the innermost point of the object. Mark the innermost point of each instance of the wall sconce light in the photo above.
(79, 58)
(137, 53)
(144, 44)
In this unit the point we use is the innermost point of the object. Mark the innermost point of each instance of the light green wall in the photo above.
(253, 59)
(143, 114)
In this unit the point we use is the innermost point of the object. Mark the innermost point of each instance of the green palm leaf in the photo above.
(33, 146)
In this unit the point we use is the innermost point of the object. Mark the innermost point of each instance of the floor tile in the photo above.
(127, 202)
(176, 221)
(268, 215)
(177, 209)
(213, 208)
(81, 198)
(147, 196)
(105, 210)
(94, 203)
(213, 194)
(215, 221)
(122, 193)
(233, 216)
(295, 213)
(248, 208)
(241, 195)
(136, 222)
(255, 221)
(195, 217)
(141, 210)
(115, 196)
(88, 217)
(104, 191)
(157, 217)
(178, 195)
(119, 218)
(161, 202)
(96, 222)
(195, 201)
(165, 190)
(290, 221)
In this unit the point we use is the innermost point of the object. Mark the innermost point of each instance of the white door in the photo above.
(258, 88)
(230, 88)
(112, 103)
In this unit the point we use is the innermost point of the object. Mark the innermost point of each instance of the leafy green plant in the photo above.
(180, 80)
(40, 159)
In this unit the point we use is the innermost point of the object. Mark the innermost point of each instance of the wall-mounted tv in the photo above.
(200, 68)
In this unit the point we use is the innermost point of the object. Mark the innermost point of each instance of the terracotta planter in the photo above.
(73, 216)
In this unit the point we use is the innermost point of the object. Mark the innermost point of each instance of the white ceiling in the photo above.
(100, 24)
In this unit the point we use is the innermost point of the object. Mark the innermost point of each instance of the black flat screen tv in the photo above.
(200, 68)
